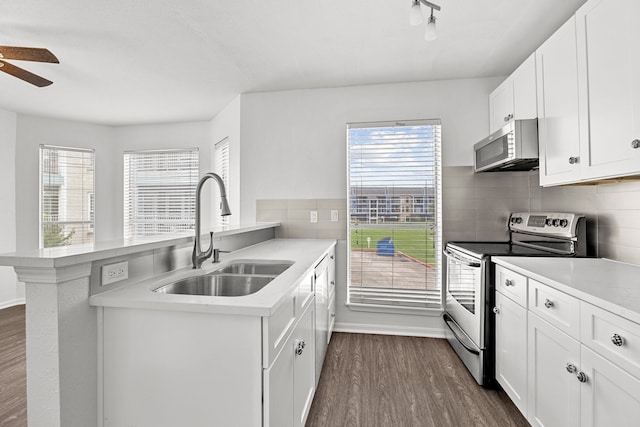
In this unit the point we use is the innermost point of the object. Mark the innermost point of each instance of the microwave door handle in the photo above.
(450, 254)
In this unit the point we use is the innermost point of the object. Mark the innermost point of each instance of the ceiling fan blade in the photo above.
(27, 54)
(25, 75)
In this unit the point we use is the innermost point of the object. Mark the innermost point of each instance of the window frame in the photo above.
(132, 210)
(390, 206)
(56, 174)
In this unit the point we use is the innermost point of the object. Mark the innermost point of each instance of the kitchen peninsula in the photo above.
(63, 351)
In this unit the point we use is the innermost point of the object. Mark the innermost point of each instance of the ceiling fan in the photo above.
(26, 54)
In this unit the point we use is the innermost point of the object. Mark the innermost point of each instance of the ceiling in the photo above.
(146, 61)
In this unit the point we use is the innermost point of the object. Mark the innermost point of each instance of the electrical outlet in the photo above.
(112, 273)
(314, 216)
(334, 215)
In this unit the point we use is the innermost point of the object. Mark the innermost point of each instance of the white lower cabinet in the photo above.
(289, 383)
(610, 396)
(511, 350)
(554, 392)
(581, 361)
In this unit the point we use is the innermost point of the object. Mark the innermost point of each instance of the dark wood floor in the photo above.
(13, 377)
(377, 380)
(367, 381)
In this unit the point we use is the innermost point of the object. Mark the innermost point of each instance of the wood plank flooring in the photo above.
(379, 381)
(13, 376)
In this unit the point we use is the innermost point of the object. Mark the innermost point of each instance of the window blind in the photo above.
(66, 181)
(394, 201)
(221, 165)
(159, 191)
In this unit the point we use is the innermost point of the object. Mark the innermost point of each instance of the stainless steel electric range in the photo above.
(470, 292)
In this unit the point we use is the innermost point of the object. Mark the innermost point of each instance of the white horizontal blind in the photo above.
(159, 191)
(395, 214)
(66, 181)
(221, 165)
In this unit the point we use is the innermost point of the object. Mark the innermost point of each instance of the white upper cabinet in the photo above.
(558, 117)
(609, 76)
(515, 98)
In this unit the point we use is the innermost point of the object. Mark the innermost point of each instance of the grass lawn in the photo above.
(417, 243)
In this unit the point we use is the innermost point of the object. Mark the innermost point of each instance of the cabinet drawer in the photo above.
(278, 327)
(614, 337)
(557, 308)
(512, 285)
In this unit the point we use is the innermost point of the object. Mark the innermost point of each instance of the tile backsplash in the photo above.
(476, 207)
(294, 216)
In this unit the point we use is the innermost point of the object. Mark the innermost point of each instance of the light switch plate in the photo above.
(314, 216)
(112, 273)
(334, 215)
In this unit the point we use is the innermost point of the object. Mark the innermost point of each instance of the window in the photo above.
(66, 180)
(159, 191)
(394, 222)
(221, 161)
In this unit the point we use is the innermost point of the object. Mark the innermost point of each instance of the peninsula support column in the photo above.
(61, 345)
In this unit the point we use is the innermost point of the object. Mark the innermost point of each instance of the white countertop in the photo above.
(611, 285)
(68, 255)
(304, 253)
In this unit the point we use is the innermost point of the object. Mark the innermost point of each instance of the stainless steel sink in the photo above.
(217, 285)
(266, 267)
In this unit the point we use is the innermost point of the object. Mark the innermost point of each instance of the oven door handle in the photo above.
(447, 320)
(461, 260)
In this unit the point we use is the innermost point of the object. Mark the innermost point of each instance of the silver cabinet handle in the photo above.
(508, 117)
(300, 348)
(509, 282)
(617, 340)
(573, 160)
(496, 310)
(635, 143)
(548, 303)
(582, 377)
(571, 368)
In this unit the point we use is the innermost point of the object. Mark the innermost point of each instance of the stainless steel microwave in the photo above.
(513, 147)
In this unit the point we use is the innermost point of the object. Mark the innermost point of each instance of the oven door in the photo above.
(464, 301)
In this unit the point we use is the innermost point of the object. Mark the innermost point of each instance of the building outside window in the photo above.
(395, 215)
(66, 181)
(159, 191)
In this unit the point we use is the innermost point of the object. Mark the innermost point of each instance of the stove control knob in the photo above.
(518, 220)
(556, 222)
(564, 223)
(549, 222)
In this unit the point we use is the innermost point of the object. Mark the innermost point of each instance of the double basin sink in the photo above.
(236, 279)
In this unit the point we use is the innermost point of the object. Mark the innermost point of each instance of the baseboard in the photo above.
(11, 303)
(409, 331)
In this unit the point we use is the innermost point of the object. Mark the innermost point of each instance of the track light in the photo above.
(416, 18)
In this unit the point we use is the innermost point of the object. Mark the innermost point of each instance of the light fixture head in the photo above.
(415, 17)
(430, 33)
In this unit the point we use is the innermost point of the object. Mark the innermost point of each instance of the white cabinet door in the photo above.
(332, 292)
(278, 388)
(609, 71)
(501, 105)
(554, 393)
(511, 350)
(304, 367)
(610, 396)
(558, 123)
(524, 90)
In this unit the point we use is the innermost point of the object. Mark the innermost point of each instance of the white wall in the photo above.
(34, 131)
(294, 146)
(293, 142)
(11, 292)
